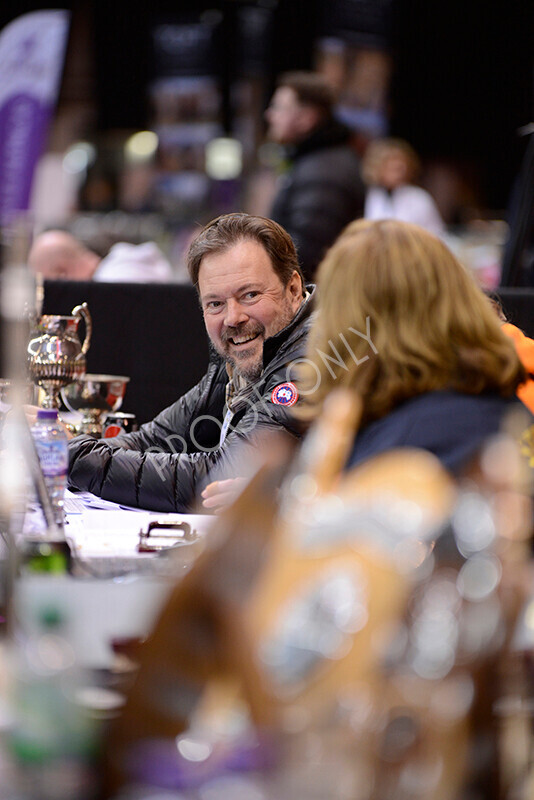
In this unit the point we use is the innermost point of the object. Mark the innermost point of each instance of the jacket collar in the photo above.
(273, 343)
(330, 134)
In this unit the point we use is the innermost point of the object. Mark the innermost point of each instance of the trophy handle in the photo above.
(83, 311)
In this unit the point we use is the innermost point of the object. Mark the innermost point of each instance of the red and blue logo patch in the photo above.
(285, 394)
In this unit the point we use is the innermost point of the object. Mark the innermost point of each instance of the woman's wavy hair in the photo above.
(398, 315)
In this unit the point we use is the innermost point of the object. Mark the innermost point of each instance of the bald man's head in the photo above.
(59, 255)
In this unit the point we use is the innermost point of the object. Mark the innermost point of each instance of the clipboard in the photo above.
(163, 534)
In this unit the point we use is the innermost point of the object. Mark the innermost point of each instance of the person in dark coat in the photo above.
(322, 189)
(404, 325)
(257, 315)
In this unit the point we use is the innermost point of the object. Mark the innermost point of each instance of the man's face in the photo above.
(394, 171)
(289, 120)
(244, 303)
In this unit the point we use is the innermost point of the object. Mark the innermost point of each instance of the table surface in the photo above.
(101, 528)
(115, 592)
(105, 529)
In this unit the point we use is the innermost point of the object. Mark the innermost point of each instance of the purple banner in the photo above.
(31, 58)
(23, 125)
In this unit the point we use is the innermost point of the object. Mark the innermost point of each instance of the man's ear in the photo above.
(295, 289)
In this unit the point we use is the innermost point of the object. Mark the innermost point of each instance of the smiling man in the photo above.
(256, 310)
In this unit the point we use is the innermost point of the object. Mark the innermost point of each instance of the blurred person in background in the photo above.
(58, 255)
(322, 189)
(524, 346)
(390, 168)
(436, 371)
(99, 192)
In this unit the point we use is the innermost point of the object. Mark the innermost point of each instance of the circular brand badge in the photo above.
(285, 394)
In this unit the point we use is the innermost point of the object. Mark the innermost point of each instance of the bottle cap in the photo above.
(47, 413)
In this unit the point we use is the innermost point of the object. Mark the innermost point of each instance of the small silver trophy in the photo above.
(94, 396)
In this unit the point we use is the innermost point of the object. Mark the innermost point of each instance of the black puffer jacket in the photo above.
(320, 194)
(166, 463)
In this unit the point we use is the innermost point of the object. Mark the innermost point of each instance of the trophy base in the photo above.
(91, 425)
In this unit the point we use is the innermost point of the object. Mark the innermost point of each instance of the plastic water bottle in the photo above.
(51, 445)
(49, 552)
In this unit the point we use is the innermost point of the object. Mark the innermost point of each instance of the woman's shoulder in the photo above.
(481, 410)
(448, 398)
(449, 424)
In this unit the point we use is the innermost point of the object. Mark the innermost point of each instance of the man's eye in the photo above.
(251, 295)
(213, 305)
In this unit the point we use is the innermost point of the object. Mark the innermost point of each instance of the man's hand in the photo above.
(220, 494)
(31, 414)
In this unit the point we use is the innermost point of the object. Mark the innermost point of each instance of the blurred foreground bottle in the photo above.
(47, 741)
(52, 739)
(17, 296)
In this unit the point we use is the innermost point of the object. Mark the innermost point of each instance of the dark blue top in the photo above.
(449, 424)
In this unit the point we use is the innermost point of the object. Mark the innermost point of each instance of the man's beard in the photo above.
(238, 361)
(250, 371)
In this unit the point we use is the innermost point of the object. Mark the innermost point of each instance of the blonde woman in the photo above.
(402, 323)
(390, 168)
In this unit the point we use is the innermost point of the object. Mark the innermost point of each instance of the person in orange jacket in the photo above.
(525, 350)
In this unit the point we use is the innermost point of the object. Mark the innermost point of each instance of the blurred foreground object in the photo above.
(52, 737)
(198, 639)
(354, 644)
(45, 743)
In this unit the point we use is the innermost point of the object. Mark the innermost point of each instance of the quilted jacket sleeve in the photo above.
(153, 468)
